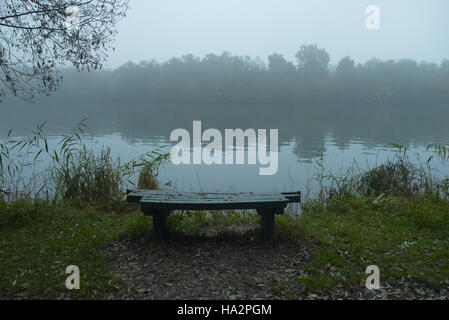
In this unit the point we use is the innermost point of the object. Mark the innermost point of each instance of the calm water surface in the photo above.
(348, 136)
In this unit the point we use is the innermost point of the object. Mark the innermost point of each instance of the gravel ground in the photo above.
(232, 269)
(209, 269)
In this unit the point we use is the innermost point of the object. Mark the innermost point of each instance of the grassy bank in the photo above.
(38, 241)
(407, 238)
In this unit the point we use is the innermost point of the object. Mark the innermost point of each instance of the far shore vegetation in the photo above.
(310, 80)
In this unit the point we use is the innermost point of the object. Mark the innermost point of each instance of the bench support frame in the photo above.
(266, 222)
(161, 233)
(160, 227)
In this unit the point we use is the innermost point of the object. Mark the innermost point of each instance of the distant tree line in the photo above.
(228, 78)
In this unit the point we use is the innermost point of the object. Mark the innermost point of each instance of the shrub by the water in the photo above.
(147, 179)
(392, 178)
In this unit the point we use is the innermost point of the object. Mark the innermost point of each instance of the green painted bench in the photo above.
(159, 204)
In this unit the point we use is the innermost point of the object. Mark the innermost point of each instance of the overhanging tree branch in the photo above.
(35, 41)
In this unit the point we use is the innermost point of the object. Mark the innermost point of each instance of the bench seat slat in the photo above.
(170, 196)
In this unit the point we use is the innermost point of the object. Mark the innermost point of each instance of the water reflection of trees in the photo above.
(308, 127)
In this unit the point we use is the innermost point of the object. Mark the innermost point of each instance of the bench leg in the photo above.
(267, 223)
(160, 225)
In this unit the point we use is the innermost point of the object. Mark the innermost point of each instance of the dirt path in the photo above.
(210, 269)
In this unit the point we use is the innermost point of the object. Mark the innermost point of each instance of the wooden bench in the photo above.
(159, 204)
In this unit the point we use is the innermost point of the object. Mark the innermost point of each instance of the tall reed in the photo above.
(71, 171)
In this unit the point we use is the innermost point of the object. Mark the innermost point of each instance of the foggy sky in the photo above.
(161, 29)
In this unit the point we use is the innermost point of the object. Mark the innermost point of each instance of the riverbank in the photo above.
(321, 255)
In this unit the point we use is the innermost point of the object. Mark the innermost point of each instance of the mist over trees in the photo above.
(227, 78)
